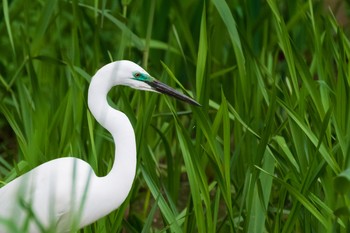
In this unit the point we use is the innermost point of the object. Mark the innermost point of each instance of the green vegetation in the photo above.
(269, 150)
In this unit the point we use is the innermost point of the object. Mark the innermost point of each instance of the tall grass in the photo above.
(268, 151)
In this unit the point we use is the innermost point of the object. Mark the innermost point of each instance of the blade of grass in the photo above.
(5, 8)
(312, 137)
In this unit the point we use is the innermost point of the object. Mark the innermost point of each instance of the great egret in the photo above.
(65, 194)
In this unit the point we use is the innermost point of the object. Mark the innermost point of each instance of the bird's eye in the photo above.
(137, 75)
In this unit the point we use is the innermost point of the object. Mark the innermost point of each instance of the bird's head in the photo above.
(132, 75)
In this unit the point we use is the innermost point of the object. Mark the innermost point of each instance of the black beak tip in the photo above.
(195, 103)
(162, 88)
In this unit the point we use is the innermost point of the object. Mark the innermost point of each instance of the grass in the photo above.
(268, 151)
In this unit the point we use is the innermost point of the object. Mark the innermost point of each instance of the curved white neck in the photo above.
(118, 182)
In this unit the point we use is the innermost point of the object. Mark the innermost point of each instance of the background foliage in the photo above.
(267, 152)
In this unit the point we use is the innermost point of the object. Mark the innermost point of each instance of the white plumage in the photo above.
(65, 194)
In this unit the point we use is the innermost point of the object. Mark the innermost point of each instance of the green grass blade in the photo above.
(6, 13)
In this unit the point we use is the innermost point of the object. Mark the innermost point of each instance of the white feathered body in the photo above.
(52, 193)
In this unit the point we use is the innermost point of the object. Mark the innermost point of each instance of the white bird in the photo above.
(64, 194)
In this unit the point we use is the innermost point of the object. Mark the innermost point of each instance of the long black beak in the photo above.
(162, 88)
